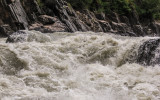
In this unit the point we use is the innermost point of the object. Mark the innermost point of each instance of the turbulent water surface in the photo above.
(76, 66)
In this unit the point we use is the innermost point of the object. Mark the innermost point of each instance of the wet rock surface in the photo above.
(27, 36)
(149, 52)
(19, 36)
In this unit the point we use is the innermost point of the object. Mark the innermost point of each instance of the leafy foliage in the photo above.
(148, 8)
(145, 8)
(40, 3)
(121, 6)
(80, 4)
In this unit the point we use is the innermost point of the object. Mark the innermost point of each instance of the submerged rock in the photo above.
(19, 36)
(27, 36)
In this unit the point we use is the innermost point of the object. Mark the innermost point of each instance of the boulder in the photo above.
(149, 52)
(28, 36)
(19, 36)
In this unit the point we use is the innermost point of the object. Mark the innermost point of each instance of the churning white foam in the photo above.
(77, 66)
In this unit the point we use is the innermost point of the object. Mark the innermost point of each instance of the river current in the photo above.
(76, 66)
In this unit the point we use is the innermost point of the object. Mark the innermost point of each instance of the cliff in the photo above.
(57, 15)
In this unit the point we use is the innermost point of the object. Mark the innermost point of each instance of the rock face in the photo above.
(48, 25)
(14, 13)
(58, 15)
(5, 30)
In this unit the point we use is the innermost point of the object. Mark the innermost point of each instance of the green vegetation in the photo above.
(145, 8)
(148, 8)
(121, 6)
(40, 3)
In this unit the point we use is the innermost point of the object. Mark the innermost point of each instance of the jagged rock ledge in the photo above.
(57, 15)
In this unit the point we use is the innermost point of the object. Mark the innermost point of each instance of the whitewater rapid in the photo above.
(76, 66)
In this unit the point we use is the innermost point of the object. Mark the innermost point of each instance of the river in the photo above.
(76, 66)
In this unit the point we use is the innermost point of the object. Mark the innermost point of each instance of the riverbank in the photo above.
(59, 16)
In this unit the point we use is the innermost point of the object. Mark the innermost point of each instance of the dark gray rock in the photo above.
(138, 29)
(32, 10)
(149, 52)
(13, 14)
(5, 30)
(19, 36)
(24, 14)
(18, 13)
(28, 36)
(66, 14)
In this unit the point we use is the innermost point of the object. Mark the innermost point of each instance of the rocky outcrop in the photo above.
(58, 15)
(66, 14)
(26, 14)
(48, 25)
(5, 30)
(8, 16)
(32, 10)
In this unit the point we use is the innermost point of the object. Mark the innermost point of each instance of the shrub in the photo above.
(148, 8)
(145, 8)
(40, 3)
